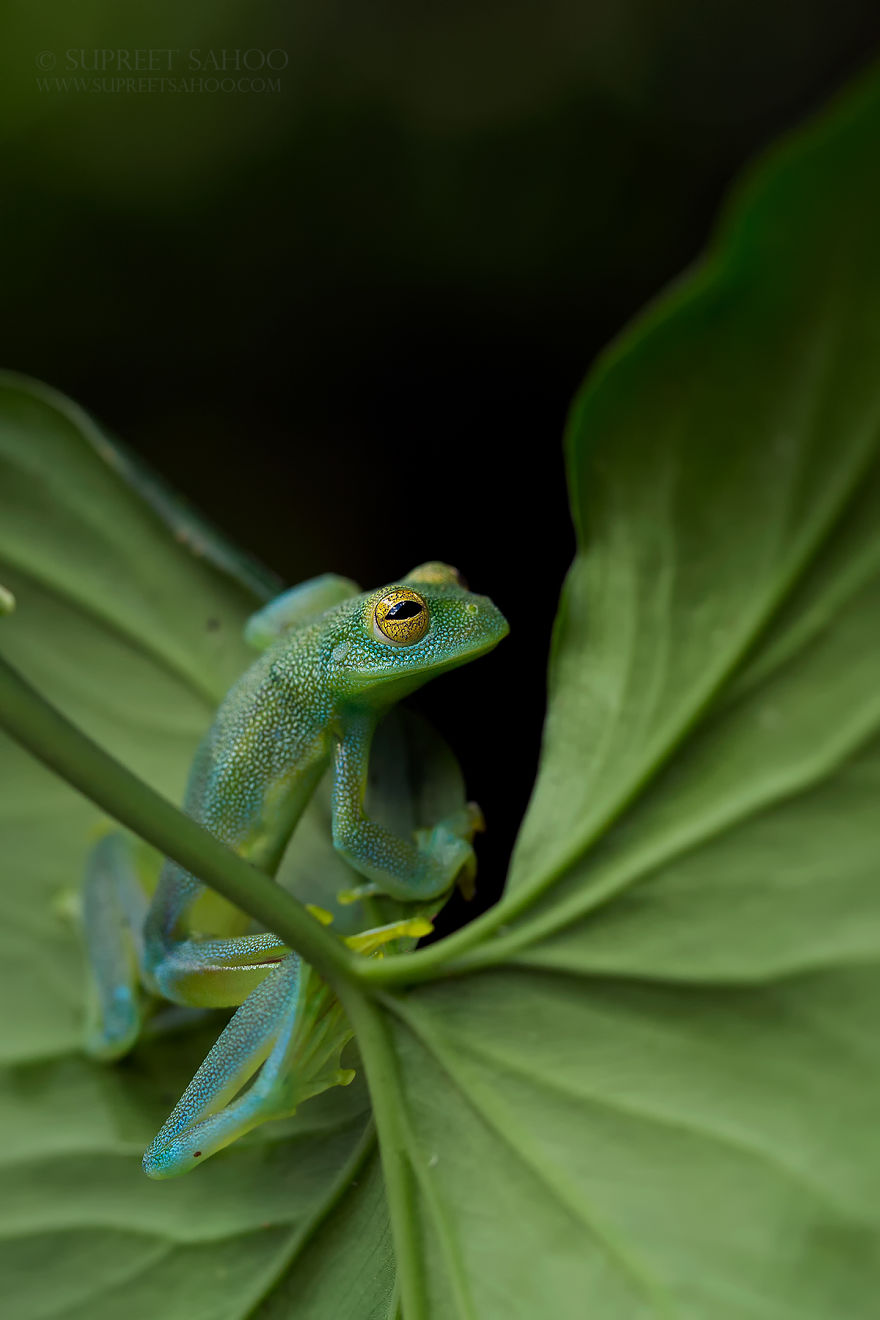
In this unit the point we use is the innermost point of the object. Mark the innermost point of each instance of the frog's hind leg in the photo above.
(114, 908)
(277, 1031)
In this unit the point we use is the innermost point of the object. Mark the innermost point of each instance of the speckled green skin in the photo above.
(317, 693)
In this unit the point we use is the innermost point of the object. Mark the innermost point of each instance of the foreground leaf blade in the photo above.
(648, 1086)
(622, 1150)
(711, 455)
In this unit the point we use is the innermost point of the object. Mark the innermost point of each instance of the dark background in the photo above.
(346, 318)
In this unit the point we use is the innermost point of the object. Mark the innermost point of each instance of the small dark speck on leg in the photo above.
(196, 1154)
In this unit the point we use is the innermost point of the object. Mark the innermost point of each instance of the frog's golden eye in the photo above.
(401, 617)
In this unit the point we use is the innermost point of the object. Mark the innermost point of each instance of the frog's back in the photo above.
(266, 749)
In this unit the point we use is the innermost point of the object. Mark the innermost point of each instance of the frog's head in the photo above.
(391, 641)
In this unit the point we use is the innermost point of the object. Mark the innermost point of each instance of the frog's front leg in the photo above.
(402, 869)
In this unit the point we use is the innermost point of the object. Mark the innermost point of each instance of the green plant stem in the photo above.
(464, 951)
(380, 1065)
(46, 733)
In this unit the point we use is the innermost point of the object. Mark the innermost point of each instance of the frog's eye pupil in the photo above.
(405, 609)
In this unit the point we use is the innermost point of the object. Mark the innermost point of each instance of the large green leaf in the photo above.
(647, 1084)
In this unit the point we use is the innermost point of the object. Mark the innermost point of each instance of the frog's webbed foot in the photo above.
(292, 1029)
(461, 826)
(413, 873)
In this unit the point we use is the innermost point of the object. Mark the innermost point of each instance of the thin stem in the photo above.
(45, 732)
(380, 1065)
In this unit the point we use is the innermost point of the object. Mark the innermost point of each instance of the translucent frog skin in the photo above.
(334, 661)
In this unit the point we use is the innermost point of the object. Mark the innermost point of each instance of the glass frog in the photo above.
(334, 660)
